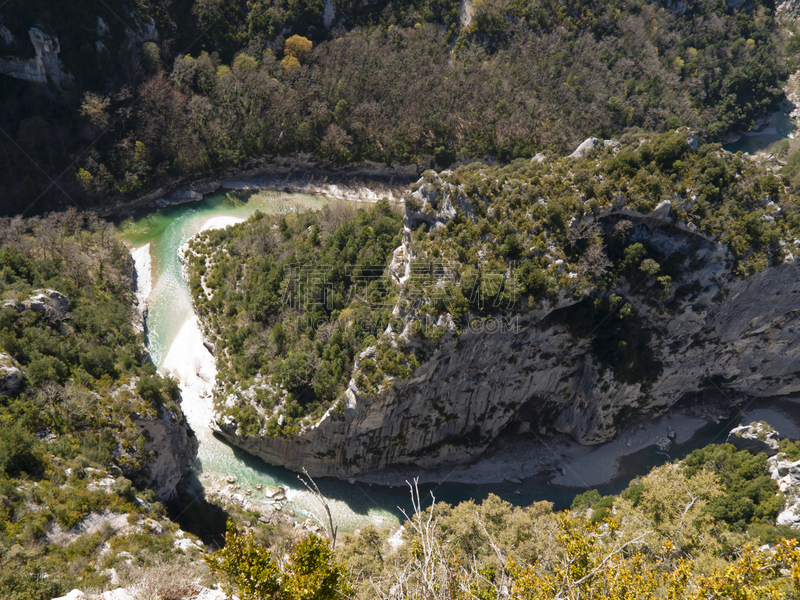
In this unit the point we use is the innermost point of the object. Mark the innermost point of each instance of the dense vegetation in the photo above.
(390, 82)
(485, 241)
(292, 300)
(68, 443)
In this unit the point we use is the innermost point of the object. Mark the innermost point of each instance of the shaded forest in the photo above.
(222, 84)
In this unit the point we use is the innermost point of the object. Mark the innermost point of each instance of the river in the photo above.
(512, 467)
(780, 127)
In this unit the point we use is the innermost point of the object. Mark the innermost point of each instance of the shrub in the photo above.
(17, 451)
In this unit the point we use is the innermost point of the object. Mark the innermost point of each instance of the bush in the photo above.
(147, 387)
(17, 451)
(99, 361)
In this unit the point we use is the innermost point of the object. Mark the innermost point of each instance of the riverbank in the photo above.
(192, 364)
(364, 182)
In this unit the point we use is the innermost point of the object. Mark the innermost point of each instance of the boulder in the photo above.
(790, 516)
(586, 148)
(11, 376)
(756, 437)
(54, 305)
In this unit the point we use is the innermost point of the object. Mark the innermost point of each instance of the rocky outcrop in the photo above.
(722, 336)
(787, 473)
(44, 66)
(184, 195)
(789, 8)
(11, 376)
(466, 11)
(756, 437)
(140, 272)
(174, 448)
(586, 148)
(6, 36)
(50, 303)
(328, 14)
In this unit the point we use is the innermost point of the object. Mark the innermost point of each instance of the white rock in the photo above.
(586, 148)
(73, 595)
(43, 66)
(756, 437)
(207, 594)
(662, 210)
(11, 376)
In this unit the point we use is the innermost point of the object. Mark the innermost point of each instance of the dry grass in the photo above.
(162, 579)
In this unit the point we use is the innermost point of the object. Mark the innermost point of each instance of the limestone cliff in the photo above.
(173, 447)
(722, 335)
(44, 66)
(478, 383)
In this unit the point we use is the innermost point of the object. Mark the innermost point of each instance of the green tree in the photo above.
(250, 569)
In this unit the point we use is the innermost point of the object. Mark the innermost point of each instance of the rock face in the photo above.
(788, 7)
(328, 13)
(174, 446)
(11, 376)
(787, 474)
(43, 66)
(756, 437)
(585, 149)
(52, 304)
(722, 335)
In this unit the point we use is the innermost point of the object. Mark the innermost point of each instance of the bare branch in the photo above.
(331, 532)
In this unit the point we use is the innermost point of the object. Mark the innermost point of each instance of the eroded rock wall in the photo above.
(174, 448)
(736, 337)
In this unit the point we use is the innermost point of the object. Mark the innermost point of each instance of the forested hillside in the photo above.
(86, 425)
(169, 90)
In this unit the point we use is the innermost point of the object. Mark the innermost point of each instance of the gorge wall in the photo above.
(726, 336)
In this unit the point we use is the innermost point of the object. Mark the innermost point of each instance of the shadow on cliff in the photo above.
(197, 516)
